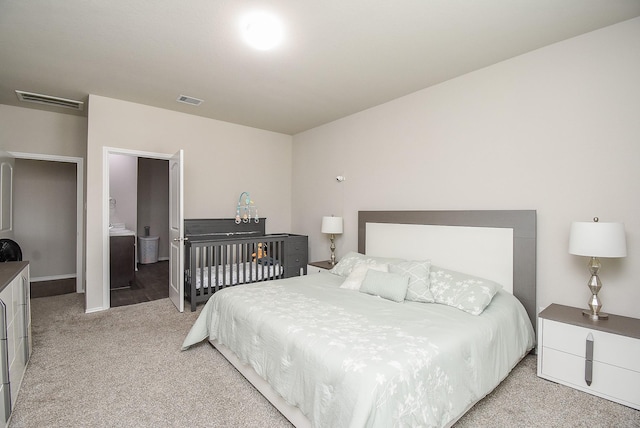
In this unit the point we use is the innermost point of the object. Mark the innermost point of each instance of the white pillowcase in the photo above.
(418, 275)
(460, 290)
(351, 259)
(388, 285)
(359, 271)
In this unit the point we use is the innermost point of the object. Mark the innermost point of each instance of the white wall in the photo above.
(45, 217)
(123, 188)
(42, 132)
(555, 130)
(221, 161)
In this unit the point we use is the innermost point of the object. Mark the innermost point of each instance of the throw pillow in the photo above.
(346, 264)
(418, 274)
(355, 278)
(390, 286)
(459, 290)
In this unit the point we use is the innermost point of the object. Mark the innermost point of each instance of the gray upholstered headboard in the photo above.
(520, 225)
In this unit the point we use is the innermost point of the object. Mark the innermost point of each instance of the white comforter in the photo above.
(348, 359)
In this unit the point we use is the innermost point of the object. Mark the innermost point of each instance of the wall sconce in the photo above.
(246, 209)
(332, 226)
(595, 239)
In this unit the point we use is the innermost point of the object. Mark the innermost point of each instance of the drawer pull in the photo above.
(588, 364)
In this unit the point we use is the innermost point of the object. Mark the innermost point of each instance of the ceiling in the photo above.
(338, 57)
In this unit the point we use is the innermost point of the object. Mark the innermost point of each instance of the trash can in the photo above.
(148, 249)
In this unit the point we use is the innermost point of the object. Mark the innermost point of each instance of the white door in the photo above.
(176, 231)
(7, 163)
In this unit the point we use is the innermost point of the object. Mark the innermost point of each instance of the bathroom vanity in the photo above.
(122, 255)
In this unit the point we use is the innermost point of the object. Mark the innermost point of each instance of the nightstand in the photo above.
(599, 357)
(316, 267)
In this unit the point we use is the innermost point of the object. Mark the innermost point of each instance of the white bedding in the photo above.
(348, 359)
(232, 274)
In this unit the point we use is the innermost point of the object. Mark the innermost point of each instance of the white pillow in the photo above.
(347, 263)
(351, 259)
(418, 275)
(390, 286)
(359, 271)
(460, 290)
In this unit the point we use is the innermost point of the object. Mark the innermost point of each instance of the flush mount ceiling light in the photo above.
(261, 30)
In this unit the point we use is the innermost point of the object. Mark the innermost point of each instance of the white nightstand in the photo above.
(599, 357)
(317, 267)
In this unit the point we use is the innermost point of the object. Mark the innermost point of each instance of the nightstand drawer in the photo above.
(608, 348)
(320, 266)
(314, 269)
(608, 381)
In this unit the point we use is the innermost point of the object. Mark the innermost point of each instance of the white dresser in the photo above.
(15, 332)
(599, 357)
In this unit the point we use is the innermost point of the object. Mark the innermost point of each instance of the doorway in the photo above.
(138, 196)
(138, 217)
(54, 190)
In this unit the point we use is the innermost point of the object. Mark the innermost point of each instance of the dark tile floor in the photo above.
(52, 288)
(151, 283)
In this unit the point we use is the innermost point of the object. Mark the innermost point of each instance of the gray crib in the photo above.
(220, 253)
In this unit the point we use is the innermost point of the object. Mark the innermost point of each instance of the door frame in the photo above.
(106, 151)
(80, 211)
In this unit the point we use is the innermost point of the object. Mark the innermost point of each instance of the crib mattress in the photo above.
(232, 274)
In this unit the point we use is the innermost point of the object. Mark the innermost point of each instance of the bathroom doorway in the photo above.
(139, 208)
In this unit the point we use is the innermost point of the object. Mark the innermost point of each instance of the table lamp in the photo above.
(332, 226)
(596, 239)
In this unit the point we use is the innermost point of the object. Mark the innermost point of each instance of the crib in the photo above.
(220, 253)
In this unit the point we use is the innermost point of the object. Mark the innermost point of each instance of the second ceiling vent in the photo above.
(189, 100)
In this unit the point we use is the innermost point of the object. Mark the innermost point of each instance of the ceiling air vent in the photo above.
(49, 100)
(189, 100)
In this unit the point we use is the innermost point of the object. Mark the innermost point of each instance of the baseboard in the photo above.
(52, 277)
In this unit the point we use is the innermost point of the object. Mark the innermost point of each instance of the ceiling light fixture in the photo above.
(262, 30)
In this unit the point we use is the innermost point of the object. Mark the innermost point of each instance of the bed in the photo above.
(327, 356)
(220, 253)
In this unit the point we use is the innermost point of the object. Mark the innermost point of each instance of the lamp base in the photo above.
(594, 286)
(333, 250)
(595, 317)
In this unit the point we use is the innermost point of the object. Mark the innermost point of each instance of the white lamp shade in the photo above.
(332, 225)
(596, 239)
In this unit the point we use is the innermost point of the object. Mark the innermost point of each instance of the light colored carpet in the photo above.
(123, 368)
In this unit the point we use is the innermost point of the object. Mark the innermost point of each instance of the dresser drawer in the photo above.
(295, 271)
(296, 245)
(608, 348)
(608, 381)
(297, 259)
